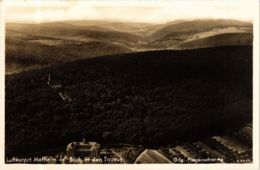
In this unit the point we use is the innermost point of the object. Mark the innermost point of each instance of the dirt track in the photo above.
(151, 156)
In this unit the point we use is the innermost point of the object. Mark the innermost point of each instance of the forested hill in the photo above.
(150, 98)
(28, 46)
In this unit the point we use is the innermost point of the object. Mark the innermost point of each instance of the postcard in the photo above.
(148, 84)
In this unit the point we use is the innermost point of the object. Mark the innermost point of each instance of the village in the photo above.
(217, 149)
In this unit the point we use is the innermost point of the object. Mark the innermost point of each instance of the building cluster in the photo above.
(233, 148)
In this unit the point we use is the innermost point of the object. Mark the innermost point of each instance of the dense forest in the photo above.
(151, 98)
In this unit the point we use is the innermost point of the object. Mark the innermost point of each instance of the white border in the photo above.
(2, 80)
(256, 93)
(253, 166)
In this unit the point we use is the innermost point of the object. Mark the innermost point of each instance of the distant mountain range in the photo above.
(35, 45)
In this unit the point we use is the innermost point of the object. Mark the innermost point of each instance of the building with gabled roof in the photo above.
(83, 149)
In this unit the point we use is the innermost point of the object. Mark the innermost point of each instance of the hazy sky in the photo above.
(153, 11)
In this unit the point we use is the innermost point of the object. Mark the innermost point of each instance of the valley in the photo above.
(28, 44)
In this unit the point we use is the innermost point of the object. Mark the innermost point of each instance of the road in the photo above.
(151, 156)
(117, 154)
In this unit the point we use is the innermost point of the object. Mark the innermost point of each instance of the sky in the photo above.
(149, 11)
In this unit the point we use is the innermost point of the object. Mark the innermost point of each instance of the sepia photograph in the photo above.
(144, 82)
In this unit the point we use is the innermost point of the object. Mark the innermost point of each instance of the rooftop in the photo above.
(83, 146)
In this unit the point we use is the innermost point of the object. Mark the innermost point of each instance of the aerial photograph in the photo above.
(92, 82)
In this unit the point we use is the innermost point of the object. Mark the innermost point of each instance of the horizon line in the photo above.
(125, 21)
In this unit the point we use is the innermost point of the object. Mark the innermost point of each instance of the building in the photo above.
(83, 149)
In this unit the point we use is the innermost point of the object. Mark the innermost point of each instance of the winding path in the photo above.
(151, 156)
